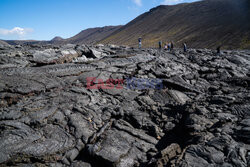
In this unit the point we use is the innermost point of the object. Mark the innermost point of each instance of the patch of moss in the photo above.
(245, 43)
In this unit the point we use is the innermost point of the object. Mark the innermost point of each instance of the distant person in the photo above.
(169, 46)
(218, 50)
(166, 46)
(140, 44)
(172, 45)
(160, 44)
(185, 47)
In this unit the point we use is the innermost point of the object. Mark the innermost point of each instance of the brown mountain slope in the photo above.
(92, 35)
(57, 38)
(203, 24)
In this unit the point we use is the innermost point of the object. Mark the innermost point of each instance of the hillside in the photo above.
(92, 35)
(203, 24)
(56, 39)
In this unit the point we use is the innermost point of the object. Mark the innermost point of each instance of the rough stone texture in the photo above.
(48, 117)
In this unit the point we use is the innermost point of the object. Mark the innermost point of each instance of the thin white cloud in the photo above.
(16, 31)
(138, 2)
(172, 2)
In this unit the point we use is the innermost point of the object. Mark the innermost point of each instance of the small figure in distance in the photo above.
(140, 44)
(218, 50)
(185, 47)
(172, 45)
(160, 44)
(169, 46)
(166, 46)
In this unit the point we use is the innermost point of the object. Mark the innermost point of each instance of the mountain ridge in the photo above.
(92, 35)
(202, 24)
(87, 36)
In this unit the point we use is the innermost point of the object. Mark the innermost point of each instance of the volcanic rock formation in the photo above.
(48, 116)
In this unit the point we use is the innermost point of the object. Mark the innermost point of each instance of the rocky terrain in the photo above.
(48, 117)
(2, 43)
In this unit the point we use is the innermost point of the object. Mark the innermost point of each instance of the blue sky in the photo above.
(45, 19)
